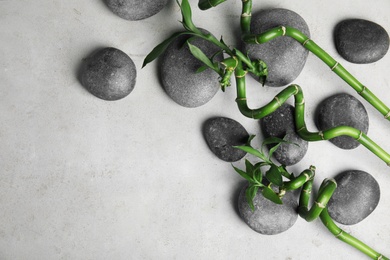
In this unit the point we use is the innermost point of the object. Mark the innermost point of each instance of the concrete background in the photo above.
(83, 178)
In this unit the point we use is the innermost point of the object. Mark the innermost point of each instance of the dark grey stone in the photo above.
(136, 9)
(339, 110)
(109, 74)
(179, 77)
(361, 41)
(269, 218)
(284, 56)
(222, 134)
(355, 198)
(281, 123)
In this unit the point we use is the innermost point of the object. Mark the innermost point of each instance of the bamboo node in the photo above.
(302, 128)
(244, 15)
(335, 66)
(320, 133)
(283, 30)
(240, 99)
(256, 41)
(306, 41)
(300, 103)
(380, 257)
(361, 91)
(307, 176)
(320, 205)
(387, 115)
(277, 100)
(339, 234)
(243, 75)
(360, 136)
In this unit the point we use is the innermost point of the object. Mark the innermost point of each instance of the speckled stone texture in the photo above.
(179, 77)
(281, 124)
(342, 109)
(355, 198)
(134, 10)
(284, 56)
(109, 74)
(269, 218)
(361, 41)
(222, 134)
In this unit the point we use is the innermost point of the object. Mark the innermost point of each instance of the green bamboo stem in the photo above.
(335, 66)
(325, 192)
(347, 238)
(207, 4)
(304, 133)
(246, 15)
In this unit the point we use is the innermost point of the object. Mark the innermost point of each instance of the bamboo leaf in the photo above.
(249, 168)
(250, 194)
(257, 174)
(202, 68)
(243, 174)
(252, 151)
(274, 175)
(187, 16)
(159, 49)
(199, 54)
(268, 193)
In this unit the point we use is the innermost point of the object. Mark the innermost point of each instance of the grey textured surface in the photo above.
(268, 218)
(222, 134)
(109, 74)
(361, 41)
(179, 77)
(134, 10)
(355, 198)
(284, 56)
(281, 124)
(343, 110)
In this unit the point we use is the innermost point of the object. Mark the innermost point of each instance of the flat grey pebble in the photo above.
(109, 74)
(355, 198)
(342, 109)
(268, 218)
(134, 10)
(179, 77)
(222, 134)
(281, 123)
(361, 41)
(284, 56)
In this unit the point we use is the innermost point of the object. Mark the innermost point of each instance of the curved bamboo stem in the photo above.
(335, 66)
(304, 133)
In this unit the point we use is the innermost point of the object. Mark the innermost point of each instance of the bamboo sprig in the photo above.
(273, 180)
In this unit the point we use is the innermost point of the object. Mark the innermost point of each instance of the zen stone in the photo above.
(268, 218)
(343, 110)
(361, 41)
(136, 9)
(284, 56)
(109, 74)
(222, 134)
(179, 75)
(356, 197)
(281, 123)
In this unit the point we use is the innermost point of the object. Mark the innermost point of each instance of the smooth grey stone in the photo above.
(268, 218)
(179, 77)
(109, 74)
(342, 109)
(222, 134)
(361, 41)
(356, 197)
(281, 123)
(284, 56)
(134, 10)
